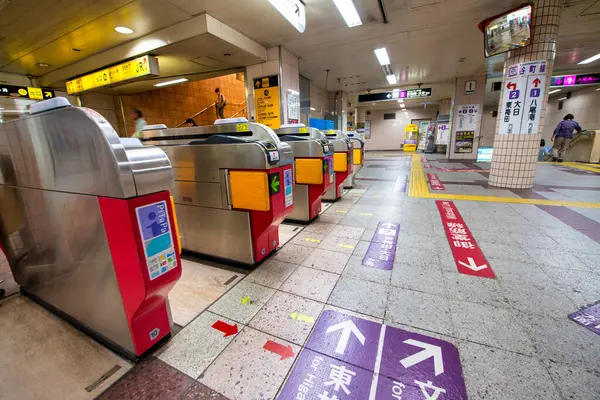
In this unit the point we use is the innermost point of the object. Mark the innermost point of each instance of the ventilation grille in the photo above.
(389, 116)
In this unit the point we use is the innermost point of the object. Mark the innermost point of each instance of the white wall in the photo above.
(389, 134)
(319, 101)
(583, 104)
(488, 127)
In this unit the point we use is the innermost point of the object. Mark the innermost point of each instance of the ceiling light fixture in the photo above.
(402, 105)
(313, 109)
(42, 64)
(562, 98)
(590, 60)
(173, 82)
(382, 56)
(391, 79)
(349, 13)
(124, 30)
(554, 91)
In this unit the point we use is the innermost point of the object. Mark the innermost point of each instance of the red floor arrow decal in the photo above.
(224, 327)
(279, 349)
(468, 256)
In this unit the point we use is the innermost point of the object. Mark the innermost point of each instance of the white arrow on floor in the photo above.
(473, 265)
(429, 350)
(388, 225)
(347, 327)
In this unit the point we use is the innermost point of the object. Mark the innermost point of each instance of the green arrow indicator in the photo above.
(274, 185)
(325, 167)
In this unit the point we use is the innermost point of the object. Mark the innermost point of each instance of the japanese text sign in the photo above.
(521, 106)
(382, 249)
(468, 256)
(352, 358)
(588, 317)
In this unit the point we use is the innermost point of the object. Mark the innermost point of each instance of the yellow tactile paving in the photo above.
(418, 188)
(583, 166)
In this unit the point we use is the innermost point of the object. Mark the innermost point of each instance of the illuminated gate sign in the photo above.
(132, 69)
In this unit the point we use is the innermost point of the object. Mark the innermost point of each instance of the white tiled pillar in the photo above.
(515, 155)
(279, 62)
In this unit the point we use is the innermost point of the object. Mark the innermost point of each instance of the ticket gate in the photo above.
(358, 157)
(342, 162)
(233, 186)
(313, 166)
(87, 225)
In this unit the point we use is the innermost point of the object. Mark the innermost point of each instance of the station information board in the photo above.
(129, 70)
(26, 92)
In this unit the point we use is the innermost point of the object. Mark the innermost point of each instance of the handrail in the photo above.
(576, 137)
(195, 115)
(241, 109)
(210, 106)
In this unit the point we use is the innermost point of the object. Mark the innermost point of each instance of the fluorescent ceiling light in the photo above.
(562, 98)
(348, 11)
(403, 105)
(391, 79)
(173, 82)
(124, 30)
(382, 56)
(554, 91)
(313, 109)
(590, 60)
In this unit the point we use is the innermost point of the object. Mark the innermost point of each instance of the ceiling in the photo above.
(426, 39)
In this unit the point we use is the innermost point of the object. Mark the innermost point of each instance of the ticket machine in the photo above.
(358, 157)
(313, 161)
(87, 224)
(233, 186)
(342, 162)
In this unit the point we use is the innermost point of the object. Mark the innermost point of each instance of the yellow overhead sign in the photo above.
(132, 69)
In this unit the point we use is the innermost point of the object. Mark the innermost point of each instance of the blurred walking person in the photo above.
(220, 104)
(563, 134)
(140, 123)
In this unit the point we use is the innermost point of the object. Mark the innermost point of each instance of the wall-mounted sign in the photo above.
(470, 87)
(293, 107)
(266, 101)
(522, 100)
(572, 80)
(465, 125)
(32, 93)
(394, 95)
(132, 69)
(484, 154)
(443, 133)
(293, 11)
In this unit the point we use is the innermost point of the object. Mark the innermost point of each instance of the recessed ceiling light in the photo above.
(391, 79)
(173, 82)
(554, 91)
(43, 65)
(382, 56)
(589, 60)
(348, 11)
(124, 30)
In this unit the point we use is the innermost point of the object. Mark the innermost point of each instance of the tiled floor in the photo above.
(512, 332)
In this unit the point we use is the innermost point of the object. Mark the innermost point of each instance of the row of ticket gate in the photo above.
(93, 225)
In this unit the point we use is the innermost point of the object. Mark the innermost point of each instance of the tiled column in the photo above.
(515, 155)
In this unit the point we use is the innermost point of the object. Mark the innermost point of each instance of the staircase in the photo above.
(232, 110)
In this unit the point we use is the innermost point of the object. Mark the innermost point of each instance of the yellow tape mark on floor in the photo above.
(418, 188)
(586, 167)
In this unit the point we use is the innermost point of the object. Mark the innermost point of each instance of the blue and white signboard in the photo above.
(288, 183)
(484, 154)
(155, 229)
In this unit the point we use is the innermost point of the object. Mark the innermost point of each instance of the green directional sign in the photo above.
(274, 184)
(325, 167)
